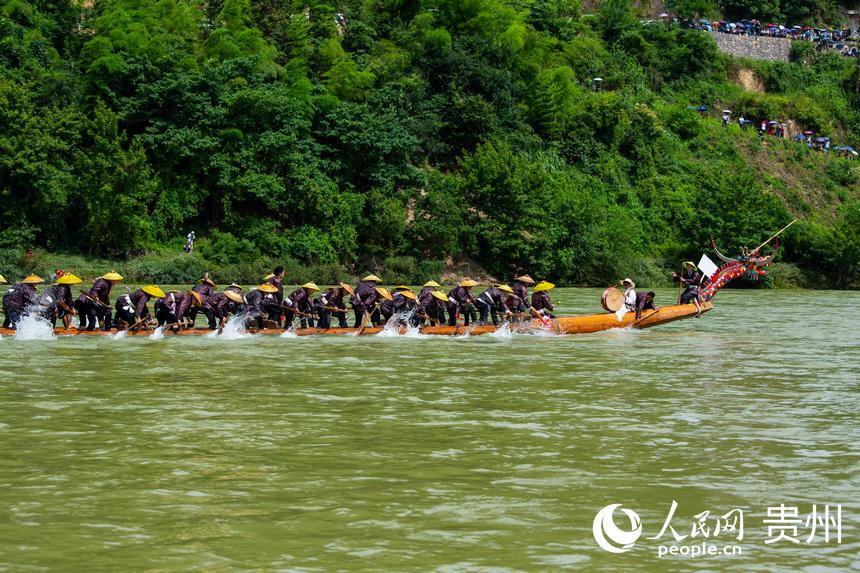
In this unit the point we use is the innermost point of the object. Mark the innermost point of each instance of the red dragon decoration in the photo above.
(749, 264)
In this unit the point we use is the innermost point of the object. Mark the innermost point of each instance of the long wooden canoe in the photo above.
(561, 325)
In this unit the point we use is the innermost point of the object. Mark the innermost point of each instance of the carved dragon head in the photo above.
(749, 265)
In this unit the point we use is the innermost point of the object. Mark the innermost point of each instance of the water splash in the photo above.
(118, 335)
(34, 327)
(234, 329)
(397, 322)
(157, 334)
(289, 333)
(504, 331)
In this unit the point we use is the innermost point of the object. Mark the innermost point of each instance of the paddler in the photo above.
(225, 303)
(491, 302)
(364, 299)
(131, 309)
(56, 302)
(429, 305)
(272, 305)
(332, 299)
(18, 300)
(644, 301)
(629, 294)
(94, 305)
(460, 299)
(541, 302)
(692, 279)
(205, 287)
(437, 307)
(403, 301)
(299, 302)
(168, 309)
(254, 302)
(521, 292)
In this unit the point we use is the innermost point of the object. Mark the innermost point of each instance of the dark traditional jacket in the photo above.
(54, 295)
(540, 301)
(332, 297)
(136, 301)
(494, 297)
(365, 294)
(641, 304)
(19, 297)
(299, 300)
(100, 291)
(461, 295)
(279, 284)
(425, 297)
(522, 292)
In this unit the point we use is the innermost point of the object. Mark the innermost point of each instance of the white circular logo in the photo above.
(609, 536)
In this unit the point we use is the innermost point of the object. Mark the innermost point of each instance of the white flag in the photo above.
(707, 266)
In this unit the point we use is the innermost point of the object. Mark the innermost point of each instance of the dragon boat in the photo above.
(750, 265)
(562, 325)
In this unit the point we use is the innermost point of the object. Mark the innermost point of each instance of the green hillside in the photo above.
(395, 134)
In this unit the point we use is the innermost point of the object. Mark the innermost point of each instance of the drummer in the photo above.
(629, 294)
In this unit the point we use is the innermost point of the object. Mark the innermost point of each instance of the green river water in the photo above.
(489, 453)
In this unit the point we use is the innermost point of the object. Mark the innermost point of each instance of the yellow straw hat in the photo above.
(234, 296)
(347, 288)
(690, 264)
(524, 279)
(432, 284)
(372, 278)
(266, 287)
(440, 295)
(207, 281)
(311, 285)
(468, 283)
(3, 280)
(505, 288)
(69, 279)
(384, 293)
(402, 287)
(268, 276)
(543, 285)
(196, 296)
(234, 285)
(112, 276)
(32, 280)
(153, 290)
(408, 294)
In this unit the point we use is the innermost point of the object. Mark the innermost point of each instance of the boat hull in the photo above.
(563, 325)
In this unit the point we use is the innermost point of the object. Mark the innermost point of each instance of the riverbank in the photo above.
(184, 268)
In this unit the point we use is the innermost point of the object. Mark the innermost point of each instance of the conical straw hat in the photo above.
(32, 280)
(525, 279)
(440, 295)
(311, 285)
(408, 294)
(432, 284)
(112, 276)
(347, 288)
(372, 278)
(234, 296)
(196, 296)
(468, 283)
(384, 293)
(153, 290)
(69, 279)
(266, 287)
(543, 285)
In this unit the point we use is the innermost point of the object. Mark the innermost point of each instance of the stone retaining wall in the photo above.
(756, 47)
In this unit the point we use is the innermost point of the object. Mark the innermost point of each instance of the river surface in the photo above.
(490, 453)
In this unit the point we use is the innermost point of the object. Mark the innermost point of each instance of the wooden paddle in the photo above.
(94, 300)
(369, 314)
(656, 310)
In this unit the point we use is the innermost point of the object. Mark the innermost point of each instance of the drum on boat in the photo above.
(612, 299)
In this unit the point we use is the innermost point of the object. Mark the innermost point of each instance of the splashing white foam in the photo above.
(289, 333)
(118, 335)
(32, 327)
(396, 323)
(234, 329)
(504, 331)
(157, 334)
